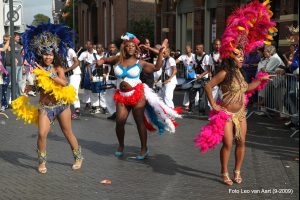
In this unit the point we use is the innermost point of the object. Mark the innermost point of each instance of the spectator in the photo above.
(4, 51)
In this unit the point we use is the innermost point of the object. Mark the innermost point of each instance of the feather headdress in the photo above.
(45, 38)
(247, 28)
(130, 37)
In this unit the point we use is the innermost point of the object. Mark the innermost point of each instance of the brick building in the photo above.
(103, 21)
(201, 21)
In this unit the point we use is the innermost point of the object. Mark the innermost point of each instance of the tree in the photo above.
(144, 28)
(39, 19)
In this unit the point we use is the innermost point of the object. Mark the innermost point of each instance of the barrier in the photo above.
(281, 96)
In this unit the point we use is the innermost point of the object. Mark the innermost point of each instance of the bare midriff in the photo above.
(125, 86)
(234, 94)
(47, 99)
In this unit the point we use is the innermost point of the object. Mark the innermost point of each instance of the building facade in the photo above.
(104, 21)
(181, 21)
(189, 22)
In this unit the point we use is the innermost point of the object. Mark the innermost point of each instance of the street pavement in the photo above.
(174, 170)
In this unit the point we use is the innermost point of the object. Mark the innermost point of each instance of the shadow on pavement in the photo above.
(15, 158)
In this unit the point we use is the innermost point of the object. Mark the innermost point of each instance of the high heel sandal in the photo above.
(42, 158)
(78, 158)
(142, 157)
(227, 181)
(237, 177)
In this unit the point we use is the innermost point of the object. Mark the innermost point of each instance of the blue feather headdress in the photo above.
(46, 38)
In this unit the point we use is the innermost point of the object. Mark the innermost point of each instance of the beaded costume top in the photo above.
(234, 92)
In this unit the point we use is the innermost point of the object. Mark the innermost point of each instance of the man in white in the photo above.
(74, 78)
(111, 79)
(202, 71)
(188, 61)
(89, 58)
(215, 66)
(168, 78)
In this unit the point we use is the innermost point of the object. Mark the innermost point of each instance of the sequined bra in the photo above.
(131, 72)
(234, 92)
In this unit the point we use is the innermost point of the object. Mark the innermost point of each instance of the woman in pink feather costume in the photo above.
(229, 116)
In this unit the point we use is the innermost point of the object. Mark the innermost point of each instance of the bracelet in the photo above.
(53, 75)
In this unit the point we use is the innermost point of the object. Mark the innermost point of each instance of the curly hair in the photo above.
(230, 67)
(123, 53)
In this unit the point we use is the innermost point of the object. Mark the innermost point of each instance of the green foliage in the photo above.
(143, 28)
(39, 19)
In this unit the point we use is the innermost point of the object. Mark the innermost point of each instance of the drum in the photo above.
(180, 81)
(98, 87)
(186, 86)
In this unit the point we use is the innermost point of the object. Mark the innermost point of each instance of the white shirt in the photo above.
(70, 59)
(169, 69)
(214, 57)
(274, 62)
(187, 61)
(205, 62)
(87, 56)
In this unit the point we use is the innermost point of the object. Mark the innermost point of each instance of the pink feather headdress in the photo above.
(247, 28)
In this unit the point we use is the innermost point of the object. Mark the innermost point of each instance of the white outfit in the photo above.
(90, 97)
(75, 78)
(205, 67)
(109, 93)
(168, 89)
(215, 90)
(187, 61)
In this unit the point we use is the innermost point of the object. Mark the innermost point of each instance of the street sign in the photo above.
(14, 17)
(16, 14)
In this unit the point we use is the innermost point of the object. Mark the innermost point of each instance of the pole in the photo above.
(12, 52)
(74, 23)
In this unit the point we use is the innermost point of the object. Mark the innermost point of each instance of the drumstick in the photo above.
(191, 81)
(79, 50)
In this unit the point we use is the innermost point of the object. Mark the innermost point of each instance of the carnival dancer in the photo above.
(248, 28)
(132, 95)
(45, 44)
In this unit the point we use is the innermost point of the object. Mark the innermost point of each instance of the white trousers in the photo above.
(75, 82)
(94, 98)
(168, 93)
(216, 95)
(109, 98)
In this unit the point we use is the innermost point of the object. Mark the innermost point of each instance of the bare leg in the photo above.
(43, 130)
(138, 114)
(66, 126)
(240, 151)
(225, 151)
(65, 123)
(122, 115)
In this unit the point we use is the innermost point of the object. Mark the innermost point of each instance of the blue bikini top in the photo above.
(131, 72)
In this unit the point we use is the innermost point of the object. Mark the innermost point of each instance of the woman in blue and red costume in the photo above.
(44, 46)
(248, 28)
(132, 95)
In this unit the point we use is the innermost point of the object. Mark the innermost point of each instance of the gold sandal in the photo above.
(42, 158)
(227, 181)
(237, 176)
(78, 158)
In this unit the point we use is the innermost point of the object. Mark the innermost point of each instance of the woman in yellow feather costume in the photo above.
(44, 46)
